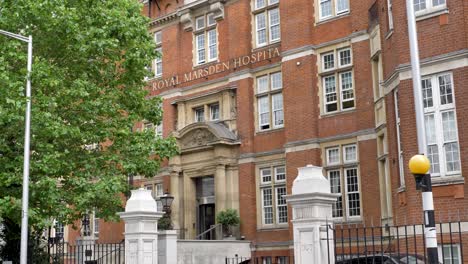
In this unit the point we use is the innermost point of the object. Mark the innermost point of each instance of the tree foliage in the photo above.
(87, 91)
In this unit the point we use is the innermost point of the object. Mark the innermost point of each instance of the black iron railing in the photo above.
(64, 253)
(400, 244)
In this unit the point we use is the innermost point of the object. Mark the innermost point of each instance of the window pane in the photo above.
(267, 206)
(419, 5)
(451, 157)
(280, 174)
(282, 208)
(350, 153)
(354, 204)
(325, 8)
(200, 22)
(278, 116)
(264, 111)
(212, 44)
(352, 188)
(438, 2)
(328, 61)
(211, 20)
(330, 94)
(445, 88)
(451, 254)
(347, 91)
(259, 4)
(352, 180)
(274, 24)
(201, 48)
(262, 84)
(430, 129)
(335, 187)
(272, 2)
(265, 175)
(199, 115)
(276, 81)
(427, 93)
(158, 37)
(433, 156)
(345, 57)
(260, 22)
(449, 126)
(158, 62)
(342, 6)
(333, 156)
(214, 112)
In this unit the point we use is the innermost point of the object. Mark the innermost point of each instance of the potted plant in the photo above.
(228, 218)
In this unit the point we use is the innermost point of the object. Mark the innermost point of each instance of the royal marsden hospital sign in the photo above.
(216, 68)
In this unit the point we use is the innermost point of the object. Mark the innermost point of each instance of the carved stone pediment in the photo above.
(197, 138)
(205, 134)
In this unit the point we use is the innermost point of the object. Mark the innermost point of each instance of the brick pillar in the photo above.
(141, 228)
(311, 203)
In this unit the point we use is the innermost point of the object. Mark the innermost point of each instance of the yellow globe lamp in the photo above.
(419, 164)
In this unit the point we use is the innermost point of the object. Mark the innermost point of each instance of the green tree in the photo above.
(87, 88)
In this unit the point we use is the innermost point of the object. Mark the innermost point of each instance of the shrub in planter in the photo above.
(228, 218)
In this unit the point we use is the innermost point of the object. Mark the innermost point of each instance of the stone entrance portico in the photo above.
(205, 173)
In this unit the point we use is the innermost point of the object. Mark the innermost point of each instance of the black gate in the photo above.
(64, 253)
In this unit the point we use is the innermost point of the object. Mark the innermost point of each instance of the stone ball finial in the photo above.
(310, 180)
(141, 201)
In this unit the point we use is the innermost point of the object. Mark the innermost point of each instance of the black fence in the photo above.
(261, 260)
(399, 244)
(64, 253)
(395, 244)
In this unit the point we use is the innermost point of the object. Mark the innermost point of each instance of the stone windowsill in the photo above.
(426, 14)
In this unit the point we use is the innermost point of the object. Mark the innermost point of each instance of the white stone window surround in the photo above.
(199, 114)
(451, 253)
(441, 124)
(390, 14)
(266, 22)
(342, 170)
(270, 108)
(272, 205)
(427, 8)
(205, 39)
(337, 80)
(214, 112)
(328, 9)
(158, 61)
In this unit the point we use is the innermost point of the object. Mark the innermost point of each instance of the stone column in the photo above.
(167, 247)
(141, 228)
(311, 203)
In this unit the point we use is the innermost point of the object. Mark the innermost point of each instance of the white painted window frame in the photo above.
(269, 93)
(437, 109)
(333, 9)
(265, 11)
(203, 31)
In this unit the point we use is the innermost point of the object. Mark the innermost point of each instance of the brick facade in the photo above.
(307, 131)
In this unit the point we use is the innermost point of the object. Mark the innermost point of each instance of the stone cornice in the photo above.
(459, 58)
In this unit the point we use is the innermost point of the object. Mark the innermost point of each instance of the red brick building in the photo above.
(254, 89)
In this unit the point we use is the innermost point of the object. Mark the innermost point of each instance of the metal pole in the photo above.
(417, 91)
(25, 199)
(428, 203)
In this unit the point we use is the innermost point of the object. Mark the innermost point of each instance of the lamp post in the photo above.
(419, 166)
(166, 201)
(25, 199)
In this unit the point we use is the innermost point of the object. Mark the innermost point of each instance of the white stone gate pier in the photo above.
(141, 228)
(311, 202)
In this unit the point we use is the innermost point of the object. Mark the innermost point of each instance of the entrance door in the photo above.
(206, 220)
